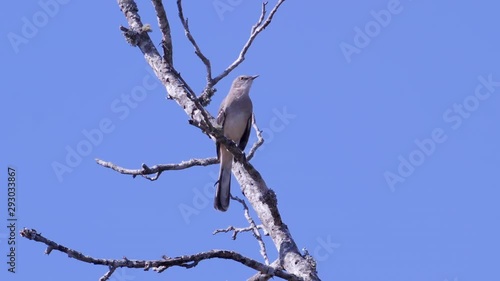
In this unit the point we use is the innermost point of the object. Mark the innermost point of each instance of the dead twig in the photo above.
(186, 261)
(158, 169)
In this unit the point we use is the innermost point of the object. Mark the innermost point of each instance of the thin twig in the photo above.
(237, 230)
(159, 265)
(191, 39)
(256, 29)
(260, 139)
(108, 274)
(158, 169)
(255, 228)
(262, 15)
(209, 91)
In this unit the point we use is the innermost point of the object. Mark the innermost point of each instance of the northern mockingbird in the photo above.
(235, 117)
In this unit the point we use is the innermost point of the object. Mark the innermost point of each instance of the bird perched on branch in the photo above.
(235, 117)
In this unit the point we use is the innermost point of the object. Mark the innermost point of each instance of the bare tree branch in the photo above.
(165, 31)
(260, 139)
(256, 29)
(253, 227)
(264, 277)
(207, 94)
(209, 90)
(108, 274)
(197, 49)
(192, 94)
(158, 169)
(187, 261)
(237, 230)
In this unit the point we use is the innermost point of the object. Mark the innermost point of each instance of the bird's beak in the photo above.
(255, 76)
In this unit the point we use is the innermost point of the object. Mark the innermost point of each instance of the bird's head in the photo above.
(244, 81)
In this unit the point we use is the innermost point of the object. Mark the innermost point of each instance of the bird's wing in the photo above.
(246, 134)
(221, 118)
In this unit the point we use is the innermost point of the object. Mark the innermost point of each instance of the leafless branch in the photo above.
(256, 232)
(260, 139)
(145, 170)
(237, 230)
(165, 31)
(191, 39)
(209, 89)
(256, 29)
(158, 169)
(264, 277)
(253, 227)
(108, 274)
(191, 93)
(136, 35)
(262, 15)
(187, 261)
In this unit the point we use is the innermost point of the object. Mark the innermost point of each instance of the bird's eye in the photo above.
(242, 78)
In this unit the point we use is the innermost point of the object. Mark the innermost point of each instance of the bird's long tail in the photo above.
(223, 185)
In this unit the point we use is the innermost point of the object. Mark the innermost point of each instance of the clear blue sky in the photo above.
(381, 120)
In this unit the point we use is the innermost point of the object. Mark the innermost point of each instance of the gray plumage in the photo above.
(235, 117)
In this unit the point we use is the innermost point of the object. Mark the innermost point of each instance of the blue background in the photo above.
(351, 118)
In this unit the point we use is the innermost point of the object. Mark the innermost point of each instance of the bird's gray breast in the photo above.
(237, 116)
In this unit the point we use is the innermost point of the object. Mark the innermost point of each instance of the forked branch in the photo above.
(186, 261)
(145, 170)
(209, 90)
(197, 49)
(156, 170)
(256, 29)
(253, 227)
